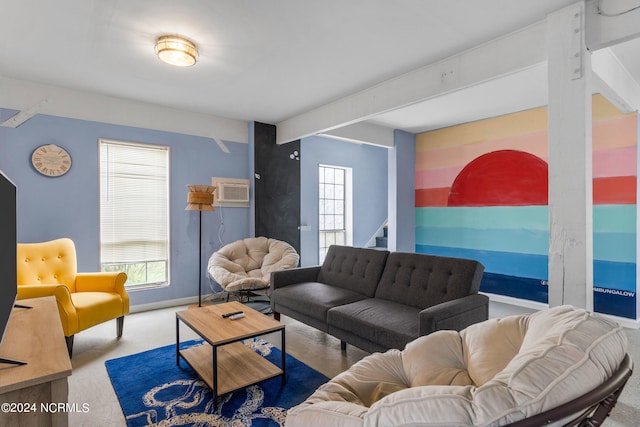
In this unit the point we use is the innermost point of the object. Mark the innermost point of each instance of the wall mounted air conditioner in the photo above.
(232, 192)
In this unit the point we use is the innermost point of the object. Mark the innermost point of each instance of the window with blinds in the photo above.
(134, 211)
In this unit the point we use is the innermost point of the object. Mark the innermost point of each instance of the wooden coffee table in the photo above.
(223, 362)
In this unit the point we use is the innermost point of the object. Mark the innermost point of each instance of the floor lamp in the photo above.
(200, 198)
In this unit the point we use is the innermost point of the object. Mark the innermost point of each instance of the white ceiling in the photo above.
(269, 60)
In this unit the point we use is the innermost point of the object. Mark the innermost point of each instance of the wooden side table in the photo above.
(35, 393)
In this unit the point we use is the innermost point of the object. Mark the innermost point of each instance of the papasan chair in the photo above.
(245, 266)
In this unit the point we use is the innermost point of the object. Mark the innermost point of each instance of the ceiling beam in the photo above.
(22, 95)
(24, 115)
(502, 56)
(363, 133)
(611, 22)
(614, 81)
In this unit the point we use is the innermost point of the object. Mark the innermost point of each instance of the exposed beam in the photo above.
(363, 133)
(614, 81)
(22, 95)
(502, 56)
(24, 115)
(611, 22)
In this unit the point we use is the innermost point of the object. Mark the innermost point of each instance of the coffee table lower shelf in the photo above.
(238, 366)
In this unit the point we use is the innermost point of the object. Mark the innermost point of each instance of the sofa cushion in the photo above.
(383, 322)
(313, 299)
(356, 269)
(422, 281)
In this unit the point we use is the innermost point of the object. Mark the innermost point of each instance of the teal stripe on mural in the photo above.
(510, 264)
(490, 217)
(616, 247)
(534, 242)
(614, 218)
(606, 218)
(614, 237)
(524, 230)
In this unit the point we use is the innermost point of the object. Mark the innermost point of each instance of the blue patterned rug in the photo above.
(154, 391)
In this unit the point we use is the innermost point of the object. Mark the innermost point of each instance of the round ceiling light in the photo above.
(176, 50)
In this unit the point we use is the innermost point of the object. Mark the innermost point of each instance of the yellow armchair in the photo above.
(84, 299)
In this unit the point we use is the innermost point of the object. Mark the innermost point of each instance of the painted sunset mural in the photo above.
(481, 192)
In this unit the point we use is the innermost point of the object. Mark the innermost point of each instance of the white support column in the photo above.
(570, 160)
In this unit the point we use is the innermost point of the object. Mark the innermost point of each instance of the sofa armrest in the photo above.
(283, 278)
(456, 314)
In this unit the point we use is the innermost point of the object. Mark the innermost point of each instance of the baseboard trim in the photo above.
(138, 308)
(627, 323)
(208, 299)
(516, 301)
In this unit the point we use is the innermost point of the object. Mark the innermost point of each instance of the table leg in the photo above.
(215, 378)
(284, 358)
(177, 341)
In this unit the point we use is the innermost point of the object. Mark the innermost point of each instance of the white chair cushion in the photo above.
(247, 264)
(490, 374)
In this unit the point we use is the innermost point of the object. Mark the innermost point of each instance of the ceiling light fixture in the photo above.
(176, 50)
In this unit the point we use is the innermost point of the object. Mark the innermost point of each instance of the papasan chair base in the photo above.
(243, 268)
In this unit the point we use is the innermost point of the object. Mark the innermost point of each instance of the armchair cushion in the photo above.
(94, 308)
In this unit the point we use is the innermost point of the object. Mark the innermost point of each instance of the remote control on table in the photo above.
(233, 313)
(237, 316)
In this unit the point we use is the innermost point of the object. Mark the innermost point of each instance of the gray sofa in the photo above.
(377, 300)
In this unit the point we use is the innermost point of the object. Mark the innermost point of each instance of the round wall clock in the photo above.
(51, 160)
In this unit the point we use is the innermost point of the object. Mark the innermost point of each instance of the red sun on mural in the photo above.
(502, 178)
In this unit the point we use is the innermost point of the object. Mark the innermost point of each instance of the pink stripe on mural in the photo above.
(459, 156)
(436, 178)
(615, 133)
(614, 162)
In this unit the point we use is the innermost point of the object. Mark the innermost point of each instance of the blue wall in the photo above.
(369, 165)
(68, 206)
(402, 171)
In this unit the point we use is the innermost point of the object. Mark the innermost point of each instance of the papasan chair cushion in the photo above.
(247, 264)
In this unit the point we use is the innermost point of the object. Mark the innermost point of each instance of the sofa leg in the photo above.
(69, 341)
(276, 315)
(120, 325)
(343, 345)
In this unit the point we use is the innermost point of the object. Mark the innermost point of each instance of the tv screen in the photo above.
(8, 243)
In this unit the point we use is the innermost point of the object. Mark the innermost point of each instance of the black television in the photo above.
(8, 244)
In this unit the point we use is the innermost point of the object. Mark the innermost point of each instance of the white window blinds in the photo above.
(134, 202)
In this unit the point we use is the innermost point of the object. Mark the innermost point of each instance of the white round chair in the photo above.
(245, 265)
(554, 365)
